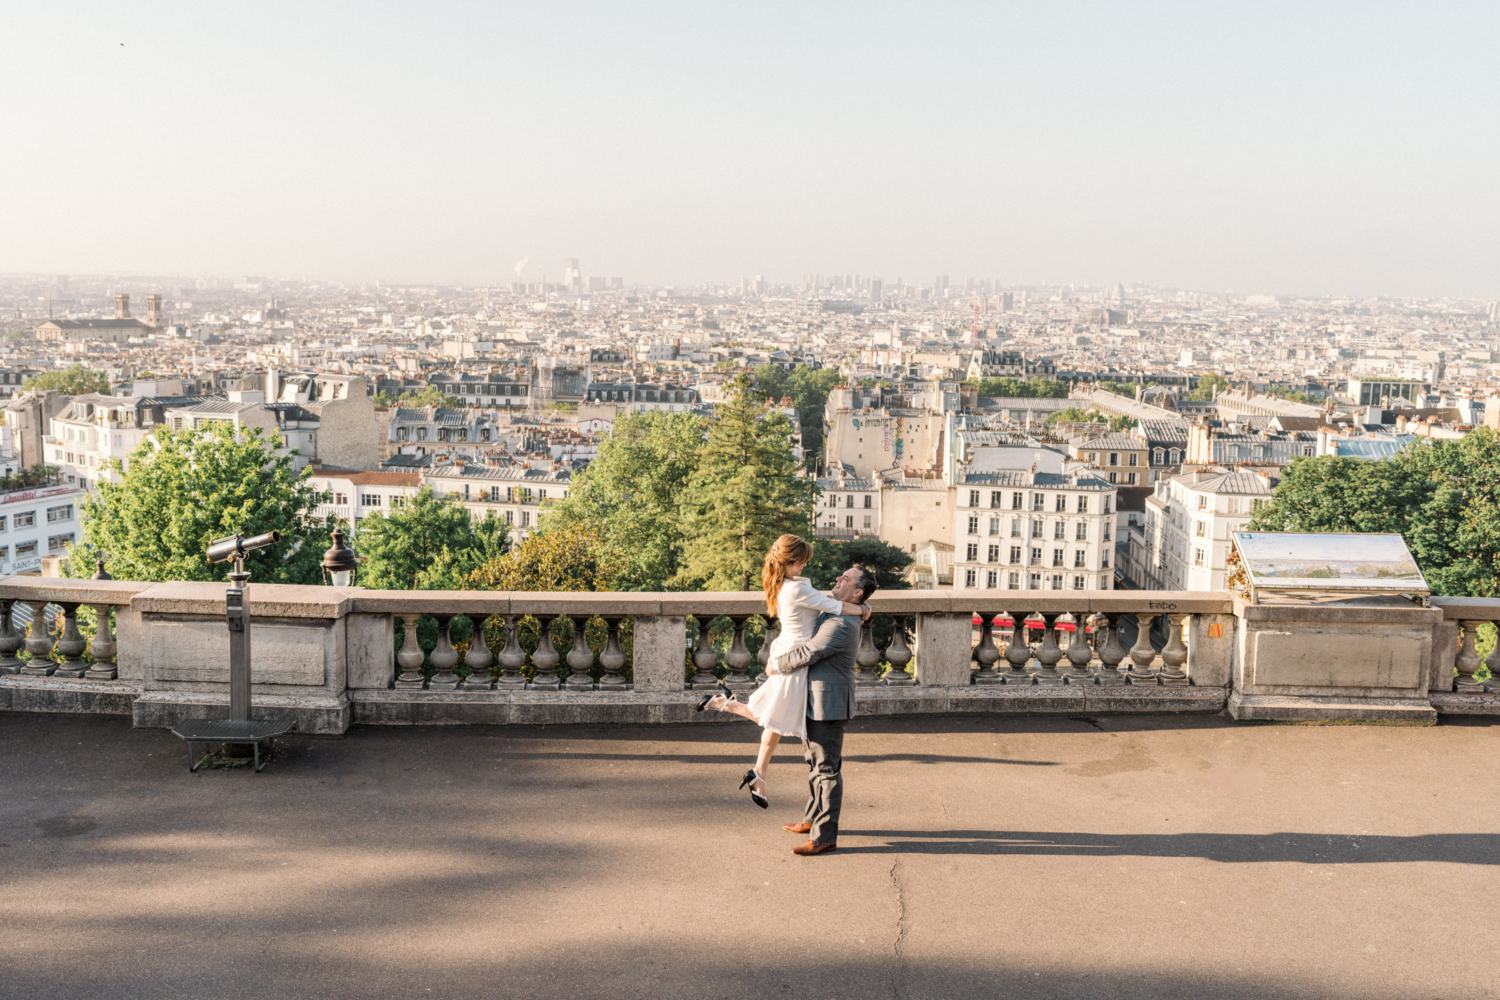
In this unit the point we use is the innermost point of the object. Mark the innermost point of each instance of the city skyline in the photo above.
(1283, 151)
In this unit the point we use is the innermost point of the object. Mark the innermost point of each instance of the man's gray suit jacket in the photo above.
(828, 658)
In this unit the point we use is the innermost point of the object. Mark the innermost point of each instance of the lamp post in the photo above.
(340, 564)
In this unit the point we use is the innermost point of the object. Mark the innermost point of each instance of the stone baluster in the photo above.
(1467, 660)
(1174, 654)
(546, 658)
(1492, 661)
(103, 647)
(1141, 654)
(898, 655)
(763, 657)
(1018, 652)
(705, 657)
(867, 657)
(71, 645)
(580, 658)
(738, 659)
(986, 655)
(1078, 653)
(478, 658)
(1048, 653)
(612, 659)
(444, 657)
(512, 658)
(1110, 650)
(11, 640)
(39, 642)
(410, 657)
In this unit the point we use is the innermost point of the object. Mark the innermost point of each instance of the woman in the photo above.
(779, 705)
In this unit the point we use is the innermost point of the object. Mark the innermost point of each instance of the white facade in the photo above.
(35, 523)
(517, 495)
(1034, 531)
(848, 508)
(353, 496)
(1187, 525)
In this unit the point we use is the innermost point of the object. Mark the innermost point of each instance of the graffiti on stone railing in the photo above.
(1162, 605)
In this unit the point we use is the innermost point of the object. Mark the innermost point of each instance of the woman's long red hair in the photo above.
(788, 550)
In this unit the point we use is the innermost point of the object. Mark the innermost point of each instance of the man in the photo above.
(828, 658)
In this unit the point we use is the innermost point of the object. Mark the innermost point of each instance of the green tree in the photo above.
(1290, 394)
(631, 492)
(430, 396)
(1027, 388)
(1442, 496)
(488, 540)
(182, 490)
(402, 549)
(808, 389)
(1074, 415)
(75, 381)
(1209, 386)
(745, 493)
(888, 562)
(572, 557)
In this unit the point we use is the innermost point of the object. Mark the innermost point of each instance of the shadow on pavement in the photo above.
(1230, 848)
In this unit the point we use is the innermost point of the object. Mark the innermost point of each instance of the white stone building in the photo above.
(849, 506)
(1187, 524)
(1034, 531)
(352, 496)
(517, 494)
(35, 523)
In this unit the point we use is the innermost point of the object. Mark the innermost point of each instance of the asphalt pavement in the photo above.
(1103, 857)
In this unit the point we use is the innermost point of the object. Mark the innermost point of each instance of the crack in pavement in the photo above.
(898, 976)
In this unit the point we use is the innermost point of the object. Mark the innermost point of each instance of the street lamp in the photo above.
(340, 564)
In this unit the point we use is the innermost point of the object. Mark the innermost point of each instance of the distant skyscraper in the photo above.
(573, 276)
(875, 289)
(940, 283)
(1120, 293)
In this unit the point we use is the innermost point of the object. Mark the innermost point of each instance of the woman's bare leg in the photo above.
(768, 740)
(736, 707)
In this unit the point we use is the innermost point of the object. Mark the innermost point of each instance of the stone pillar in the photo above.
(1174, 653)
(612, 659)
(39, 643)
(1110, 650)
(411, 657)
(943, 649)
(738, 659)
(479, 657)
(103, 648)
(512, 657)
(867, 657)
(1141, 654)
(1079, 654)
(546, 658)
(580, 658)
(71, 645)
(1467, 661)
(11, 640)
(660, 652)
(898, 655)
(444, 657)
(705, 657)
(1018, 653)
(985, 653)
(1048, 653)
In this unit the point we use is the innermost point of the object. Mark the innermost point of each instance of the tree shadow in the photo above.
(1229, 848)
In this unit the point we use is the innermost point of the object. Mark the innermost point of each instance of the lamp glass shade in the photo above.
(341, 577)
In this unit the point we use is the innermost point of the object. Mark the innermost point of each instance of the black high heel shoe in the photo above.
(755, 796)
(703, 702)
(724, 690)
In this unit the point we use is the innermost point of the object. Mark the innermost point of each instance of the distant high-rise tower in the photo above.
(572, 276)
(1120, 293)
(875, 289)
(940, 283)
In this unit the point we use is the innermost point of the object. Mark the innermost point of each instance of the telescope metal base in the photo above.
(252, 731)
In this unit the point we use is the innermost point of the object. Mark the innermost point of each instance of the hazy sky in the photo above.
(1288, 148)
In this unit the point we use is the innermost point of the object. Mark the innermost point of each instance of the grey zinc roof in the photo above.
(509, 473)
(1165, 432)
(1119, 442)
(1040, 480)
(1230, 482)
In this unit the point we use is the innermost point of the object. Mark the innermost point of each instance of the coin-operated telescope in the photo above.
(238, 729)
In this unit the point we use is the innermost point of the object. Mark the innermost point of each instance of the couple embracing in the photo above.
(809, 687)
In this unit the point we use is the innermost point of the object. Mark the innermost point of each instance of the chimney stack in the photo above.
(122, 306)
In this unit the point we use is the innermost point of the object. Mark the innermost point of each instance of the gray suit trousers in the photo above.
(824, 753)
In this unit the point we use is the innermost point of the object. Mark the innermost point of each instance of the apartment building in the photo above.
(849, 506)
(518, 494)
(1120, 458)
(35, 523)
(351, 496)
(1187, 523)
(1034, 531)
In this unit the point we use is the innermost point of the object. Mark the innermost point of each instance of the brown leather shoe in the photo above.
(812, 847)
(797, 827)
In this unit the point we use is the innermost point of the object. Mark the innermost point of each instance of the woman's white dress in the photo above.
(780, 703)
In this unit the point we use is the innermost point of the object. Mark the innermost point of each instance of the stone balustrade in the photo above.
(329, 657)
(1463, 681)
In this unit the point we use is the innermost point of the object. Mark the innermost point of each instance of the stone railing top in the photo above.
(67, 591)
(1472, 608)
(1356, 609)
(267, 600)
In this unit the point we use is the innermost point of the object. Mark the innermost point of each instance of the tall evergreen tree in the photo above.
(747, 492)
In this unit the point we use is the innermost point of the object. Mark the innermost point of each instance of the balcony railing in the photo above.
(329, 657)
